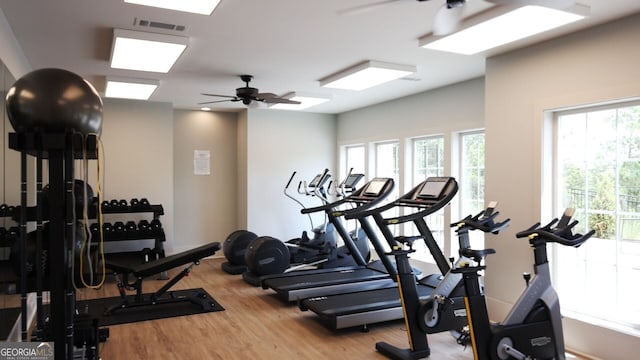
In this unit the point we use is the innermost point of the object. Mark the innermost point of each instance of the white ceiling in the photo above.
(287, 45)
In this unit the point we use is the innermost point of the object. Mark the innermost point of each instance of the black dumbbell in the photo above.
(107, 227)
(114, 204)
(130, 226)
(143, 225)
(3, 233)
(123, 204)
(144, 203)
(118, 227)
(3, 210)
(155, 225)
(13, 231)
(105, 205)
(94, 228)
(135, 203)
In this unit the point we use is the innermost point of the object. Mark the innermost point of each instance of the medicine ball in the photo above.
(235, 245)
(267, 255)
(52, 101)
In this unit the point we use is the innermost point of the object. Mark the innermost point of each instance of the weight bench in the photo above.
(192, 256)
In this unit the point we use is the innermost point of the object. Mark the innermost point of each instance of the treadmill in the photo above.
(379, 305)
(365, 275)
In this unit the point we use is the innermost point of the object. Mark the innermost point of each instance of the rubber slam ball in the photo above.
(54, 101)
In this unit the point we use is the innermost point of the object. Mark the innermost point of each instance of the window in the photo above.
(471, 183)
(387, 160)
(355, 159)
(597, 172)
(428, 161)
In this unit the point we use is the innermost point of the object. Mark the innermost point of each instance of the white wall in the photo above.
(596, 65)
(205, 205)
(138, 153)
(278, 143)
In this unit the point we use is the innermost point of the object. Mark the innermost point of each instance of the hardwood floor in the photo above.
(254, 325)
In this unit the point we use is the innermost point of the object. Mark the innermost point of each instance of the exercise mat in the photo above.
(96, 307)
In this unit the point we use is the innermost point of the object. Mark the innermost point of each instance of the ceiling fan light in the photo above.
(191, 6)
(502, 29)
(365, 75)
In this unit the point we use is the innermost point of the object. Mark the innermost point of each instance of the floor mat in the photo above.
(8, 318)
(166, 307)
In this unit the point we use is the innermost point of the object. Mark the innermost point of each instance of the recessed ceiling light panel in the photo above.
(139, 89)
(204, 7)
(143, 51)
(306, 101)
(366, 75)
(502, 29)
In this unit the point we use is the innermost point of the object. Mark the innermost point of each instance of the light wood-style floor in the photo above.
(254, 325)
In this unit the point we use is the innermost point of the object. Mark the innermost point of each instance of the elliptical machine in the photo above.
(299, 249)
(268, 256)
(533, 327)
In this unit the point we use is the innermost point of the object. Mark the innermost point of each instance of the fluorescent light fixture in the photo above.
(365, 75)
(205, 108)
(140, 89)
(143, 51)
(192, 6)
(508, 27)
(306, 101)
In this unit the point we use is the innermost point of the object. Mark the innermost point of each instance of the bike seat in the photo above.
(408, 240)
(477, 255)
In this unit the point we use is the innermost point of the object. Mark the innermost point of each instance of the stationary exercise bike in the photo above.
(533, 327)
(444, 309)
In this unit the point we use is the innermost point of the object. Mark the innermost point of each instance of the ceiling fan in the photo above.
(248, 94)
(449, 17)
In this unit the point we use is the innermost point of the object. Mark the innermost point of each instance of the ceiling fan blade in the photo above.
(266, 95)
(224, 96)
(365, 7)
(217, 101)
(277, 100)
(447, 20)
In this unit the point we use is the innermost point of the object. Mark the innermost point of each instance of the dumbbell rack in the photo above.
(126, 234)
(8, 235)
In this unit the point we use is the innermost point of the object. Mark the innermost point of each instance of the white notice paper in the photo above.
(201, 162)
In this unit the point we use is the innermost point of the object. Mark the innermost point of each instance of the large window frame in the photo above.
(596, 149)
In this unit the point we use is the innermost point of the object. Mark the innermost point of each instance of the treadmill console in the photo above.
(375, 187)
(319, 181)
(351, 181)
(432, 191)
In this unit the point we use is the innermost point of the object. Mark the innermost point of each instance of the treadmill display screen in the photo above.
(432, 189)
(375, 187)
(352, 180)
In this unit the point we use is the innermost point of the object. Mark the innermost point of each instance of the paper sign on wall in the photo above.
(201, 162)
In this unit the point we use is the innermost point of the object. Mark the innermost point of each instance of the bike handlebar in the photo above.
(484, 221)
(562, 232)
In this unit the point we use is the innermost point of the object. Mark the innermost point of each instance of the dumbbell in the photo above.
(155, 225)
(94, 228)
(130, 226)
(3, 233)
(114, 204)
(13, 231)
(147, 255)
(105, 205)
(144, 203)
(3, 209)
(122, 203)
(143, 225)
(107, 227)
(118, 227)
(135, 203)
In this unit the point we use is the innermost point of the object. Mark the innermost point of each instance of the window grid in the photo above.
(598, 174)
